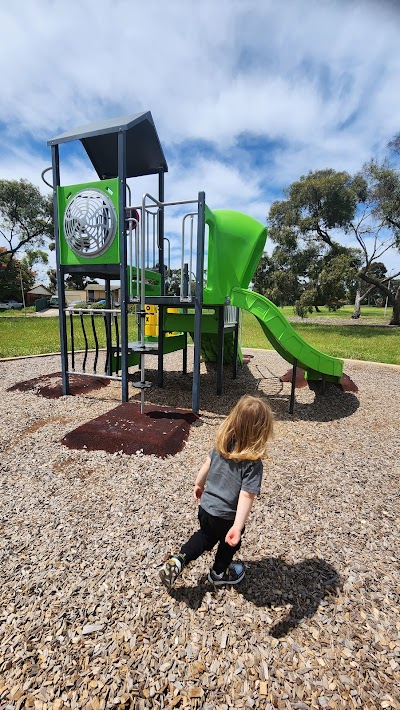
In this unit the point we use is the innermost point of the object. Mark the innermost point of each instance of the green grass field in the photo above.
(21, 336)
(353, 342)
(37, 336)
(370, 312)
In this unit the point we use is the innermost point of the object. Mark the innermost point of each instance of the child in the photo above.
(226, 486)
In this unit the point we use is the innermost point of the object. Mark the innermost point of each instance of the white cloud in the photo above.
(315, 82)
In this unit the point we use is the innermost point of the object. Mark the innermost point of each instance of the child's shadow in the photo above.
(271, 582)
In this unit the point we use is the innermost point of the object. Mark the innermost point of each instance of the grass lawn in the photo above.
(370, 312)
(36, 336)
(353, 342)
(33, 336)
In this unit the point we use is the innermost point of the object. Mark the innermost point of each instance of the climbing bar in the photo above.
(162, 204)
(71, 327)
(90, 374)
(96, 357)
(117, 345)
(86, 341)
(191, 215)
(107, 328)
(95, 311)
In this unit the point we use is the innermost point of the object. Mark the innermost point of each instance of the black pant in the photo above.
(212, 530)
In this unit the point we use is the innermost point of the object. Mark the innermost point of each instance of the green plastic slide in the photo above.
(283, 337)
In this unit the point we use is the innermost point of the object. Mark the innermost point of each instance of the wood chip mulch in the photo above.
(84, 620)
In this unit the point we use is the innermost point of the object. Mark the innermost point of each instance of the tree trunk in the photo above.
(357, 305)
(317, 310)
(395, 319)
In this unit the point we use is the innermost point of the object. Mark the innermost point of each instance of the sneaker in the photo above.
(171, 570)
(232, 575)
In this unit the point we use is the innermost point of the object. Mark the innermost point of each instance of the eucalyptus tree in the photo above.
(324, 209)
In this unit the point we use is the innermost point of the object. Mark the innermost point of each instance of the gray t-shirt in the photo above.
(226, 478)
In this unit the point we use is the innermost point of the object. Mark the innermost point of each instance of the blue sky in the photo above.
(246, 95)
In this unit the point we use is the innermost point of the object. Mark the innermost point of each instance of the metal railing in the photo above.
(144, 246)
(109, 317)
(145, 233)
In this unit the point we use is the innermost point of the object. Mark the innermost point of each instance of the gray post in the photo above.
(220, 352)
(236, 346)
(185, 310)
(160, 375)
(108, 324)
(293, 390)
(55, 160)
(123, 262)
(198, 302)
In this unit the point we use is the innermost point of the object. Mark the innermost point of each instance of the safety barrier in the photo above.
(109, 318)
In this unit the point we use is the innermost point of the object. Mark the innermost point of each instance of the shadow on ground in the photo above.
(271, 582)
(329, 403)
(50, 386)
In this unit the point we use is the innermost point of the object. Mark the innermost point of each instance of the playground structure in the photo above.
(101, 233)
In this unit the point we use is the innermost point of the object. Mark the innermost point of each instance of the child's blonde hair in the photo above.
(244, 434)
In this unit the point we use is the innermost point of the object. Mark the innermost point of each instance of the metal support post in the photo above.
(198, 302)
(160, 237)
(123, 262)
(236, 346)
(292, 393)
(185, 310)
(55, 160)
(220, 351)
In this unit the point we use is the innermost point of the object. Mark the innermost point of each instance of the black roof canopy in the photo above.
(144, 154)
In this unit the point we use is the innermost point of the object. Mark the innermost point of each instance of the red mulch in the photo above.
(346, 383)
(50, 386)
(300, 379)
(159, 430)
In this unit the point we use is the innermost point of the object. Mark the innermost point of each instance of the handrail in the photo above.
(132, 226)
(46, 170)
(161, 204)
(95, 311)
(191, 215)
(169, 253)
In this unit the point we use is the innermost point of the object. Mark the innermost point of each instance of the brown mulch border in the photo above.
(160, 431)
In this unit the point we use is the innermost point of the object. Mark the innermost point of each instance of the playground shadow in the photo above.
(273, 583)
(328, 404)
(50, 386)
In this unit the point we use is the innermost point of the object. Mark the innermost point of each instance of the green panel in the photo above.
(235, 246)
(174, 342)
(64, 194)
(185, 322)
(151, 289)
(283, 337)
(209, 348)
(171, 344)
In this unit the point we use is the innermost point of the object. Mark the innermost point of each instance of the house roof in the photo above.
(39, 288)
(144, 154)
